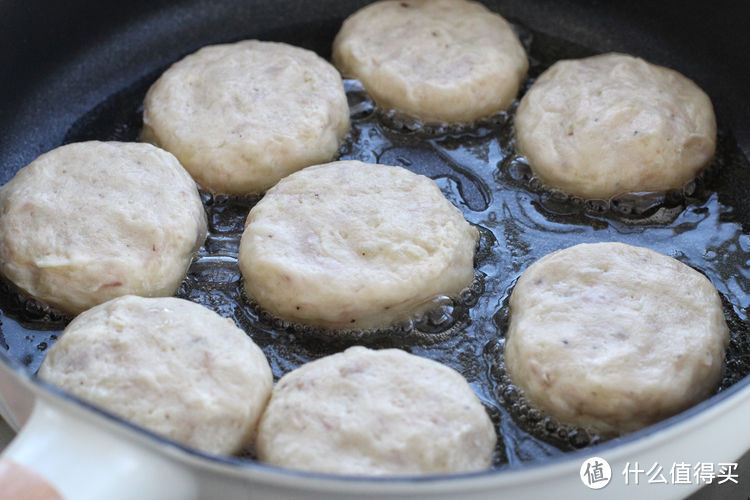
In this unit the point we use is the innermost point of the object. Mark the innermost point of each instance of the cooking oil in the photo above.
(704, 225)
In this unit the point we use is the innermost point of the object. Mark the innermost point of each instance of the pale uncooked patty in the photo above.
(91, 221)
(365, 412)
(169, 365)
(613, 124)
(437, 60)
(242, 116)
(614, 337)
(352, 245)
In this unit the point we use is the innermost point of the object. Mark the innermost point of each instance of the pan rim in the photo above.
(185, 454)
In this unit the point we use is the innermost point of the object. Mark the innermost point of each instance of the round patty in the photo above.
(351, 245)
(364, 412)
(241, 116)
(614, 337)
(437, 60)
(613, 124)
(91, 221)
(169, 365)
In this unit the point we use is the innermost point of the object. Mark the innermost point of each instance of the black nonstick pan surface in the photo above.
(78, 70)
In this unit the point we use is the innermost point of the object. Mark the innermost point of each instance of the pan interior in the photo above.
(478, 171)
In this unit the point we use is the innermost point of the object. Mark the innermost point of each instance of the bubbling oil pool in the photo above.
(519, 222)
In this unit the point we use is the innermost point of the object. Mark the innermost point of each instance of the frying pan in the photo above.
(71, 68)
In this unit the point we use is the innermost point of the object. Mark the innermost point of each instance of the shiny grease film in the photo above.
(519, 222)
